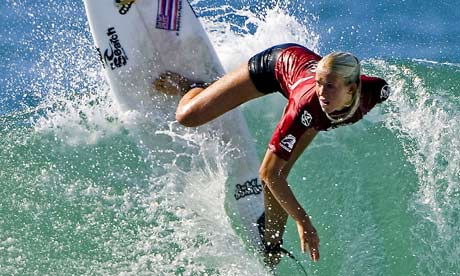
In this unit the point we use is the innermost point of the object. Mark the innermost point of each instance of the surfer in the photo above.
(322, 93)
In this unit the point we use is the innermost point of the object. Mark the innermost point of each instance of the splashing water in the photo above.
(103, 202)
(82, 195)
(425, 116)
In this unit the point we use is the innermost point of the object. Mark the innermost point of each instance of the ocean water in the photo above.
(80, 196)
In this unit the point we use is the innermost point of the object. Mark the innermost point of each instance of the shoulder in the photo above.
(375, 89)
(311, 112)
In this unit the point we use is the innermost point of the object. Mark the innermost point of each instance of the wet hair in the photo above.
(344, 64)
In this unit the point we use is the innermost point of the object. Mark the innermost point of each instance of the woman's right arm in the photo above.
(273, 172)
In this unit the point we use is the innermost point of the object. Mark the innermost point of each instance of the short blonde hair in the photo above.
(344, 64)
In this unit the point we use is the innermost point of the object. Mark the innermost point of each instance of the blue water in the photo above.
(80, 196)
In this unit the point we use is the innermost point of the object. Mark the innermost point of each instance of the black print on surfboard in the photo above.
(124, 6)
(124, 9)
(169, 14)
(114, 56)
(250, 187)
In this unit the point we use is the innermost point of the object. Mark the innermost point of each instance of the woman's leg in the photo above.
(200, 105)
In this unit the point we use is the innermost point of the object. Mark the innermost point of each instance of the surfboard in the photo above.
(137, 41)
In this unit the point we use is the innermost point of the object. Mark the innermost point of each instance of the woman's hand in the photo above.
(308, 237)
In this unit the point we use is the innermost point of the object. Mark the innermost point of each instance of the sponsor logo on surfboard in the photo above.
(288, 142)
(250, 187)
(114, 56)
(168, 15)
(124, 9)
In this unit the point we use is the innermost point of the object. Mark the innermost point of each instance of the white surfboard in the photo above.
(140, 40)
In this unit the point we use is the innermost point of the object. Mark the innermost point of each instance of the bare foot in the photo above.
(172, 84)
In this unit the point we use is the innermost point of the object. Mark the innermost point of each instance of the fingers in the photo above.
(312, 240)
(303, 245)
(309, 239)
(314, 250)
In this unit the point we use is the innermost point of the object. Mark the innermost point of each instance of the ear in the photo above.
(352, 88)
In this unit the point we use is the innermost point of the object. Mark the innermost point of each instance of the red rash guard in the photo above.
(292, 68)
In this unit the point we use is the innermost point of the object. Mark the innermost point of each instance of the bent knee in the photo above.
(187, 117)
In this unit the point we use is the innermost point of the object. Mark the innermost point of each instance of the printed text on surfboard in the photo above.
(114, 56)
(250, 187)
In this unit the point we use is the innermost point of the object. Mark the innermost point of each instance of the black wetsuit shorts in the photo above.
(262, 68)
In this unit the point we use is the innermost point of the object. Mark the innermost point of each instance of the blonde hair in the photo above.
(344, 64)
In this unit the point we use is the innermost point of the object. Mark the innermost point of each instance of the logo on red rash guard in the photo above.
(385, 92)
(288, 142)
(306, 118)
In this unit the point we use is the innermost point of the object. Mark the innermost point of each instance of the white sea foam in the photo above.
(436, 62)
(426, 120)
(275, 27)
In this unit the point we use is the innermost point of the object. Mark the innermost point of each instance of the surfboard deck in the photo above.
(136, 42)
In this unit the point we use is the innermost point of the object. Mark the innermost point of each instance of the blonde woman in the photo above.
(322, 93)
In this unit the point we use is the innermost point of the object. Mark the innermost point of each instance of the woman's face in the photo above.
(333, 93)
